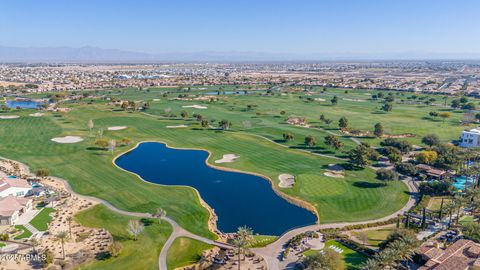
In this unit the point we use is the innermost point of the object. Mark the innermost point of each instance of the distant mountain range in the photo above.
(99, 55)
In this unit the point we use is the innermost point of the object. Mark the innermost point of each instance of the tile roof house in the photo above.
(14, 186)
(462, 255)
(12, 207)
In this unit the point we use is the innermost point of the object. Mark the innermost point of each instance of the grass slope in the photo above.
(140, 254)
(185, 251)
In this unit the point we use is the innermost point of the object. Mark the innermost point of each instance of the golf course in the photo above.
(257, 123)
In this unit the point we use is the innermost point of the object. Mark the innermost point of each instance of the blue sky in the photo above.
(302, 26)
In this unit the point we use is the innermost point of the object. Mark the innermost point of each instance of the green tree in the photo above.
(334, 100)
(431, 140)
(387, 106)
(343, 122)
(359, 156)
(287, 136)
(310, 140)
(333, 141)
(328, 259)
(184, 114)
(378, 130)
(225, 124)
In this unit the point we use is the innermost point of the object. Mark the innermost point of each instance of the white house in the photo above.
(12, 207)
(14, 186)
(470, 138)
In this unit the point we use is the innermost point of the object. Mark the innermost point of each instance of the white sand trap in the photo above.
(354, 99)
(334, 174)
(116, 128)
(227, 158)
(178, 126)
(195, 107)
(37, 114)
(67, 139)
(156, 99)
(319, 99)
(9, 116)
(286, 180)
(335, 171)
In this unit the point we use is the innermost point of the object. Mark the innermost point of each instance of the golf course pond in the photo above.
(237, 198)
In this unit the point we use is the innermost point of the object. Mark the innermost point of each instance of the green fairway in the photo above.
(42, 219)
(140, 254)
(185, 251)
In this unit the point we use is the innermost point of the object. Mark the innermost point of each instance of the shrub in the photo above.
(386, 175)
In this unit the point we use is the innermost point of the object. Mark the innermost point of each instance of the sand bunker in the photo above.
(156, 99)
(9, 116)
(178, 126)
(116, 128)
(286, 180)
(319, 99)
(227, 158)
(36, 114)
(354, 99)
(335, 170)
(195, 107)
(67, 139)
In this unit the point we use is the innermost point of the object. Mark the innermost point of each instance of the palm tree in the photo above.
(242, 240)
(34, 242)
(69, 220)
(62, 237)
(240, 244)
(372, 264)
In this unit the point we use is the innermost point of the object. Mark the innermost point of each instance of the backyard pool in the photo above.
(237, 198)
(461, 182)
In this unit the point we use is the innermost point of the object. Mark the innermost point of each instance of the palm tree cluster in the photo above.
(394, 254)
(243, 238)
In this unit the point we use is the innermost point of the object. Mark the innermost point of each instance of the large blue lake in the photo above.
(238, 198)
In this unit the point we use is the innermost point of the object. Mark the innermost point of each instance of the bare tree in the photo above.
(134, 228)
(111, 145)
(90, 125)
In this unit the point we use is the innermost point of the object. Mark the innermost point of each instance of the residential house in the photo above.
(15, 187)
(470, 138)
(461, 255)
(11, 208)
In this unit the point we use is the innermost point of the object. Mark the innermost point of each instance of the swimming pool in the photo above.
(461, 181)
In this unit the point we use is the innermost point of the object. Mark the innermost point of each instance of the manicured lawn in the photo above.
(436, 202)
(353, 260)
(2, 244)
(466, 219)
(185, 251)
(42, 219)
(25, 232)
(376, 236)
(262, 240)
(140, 254)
